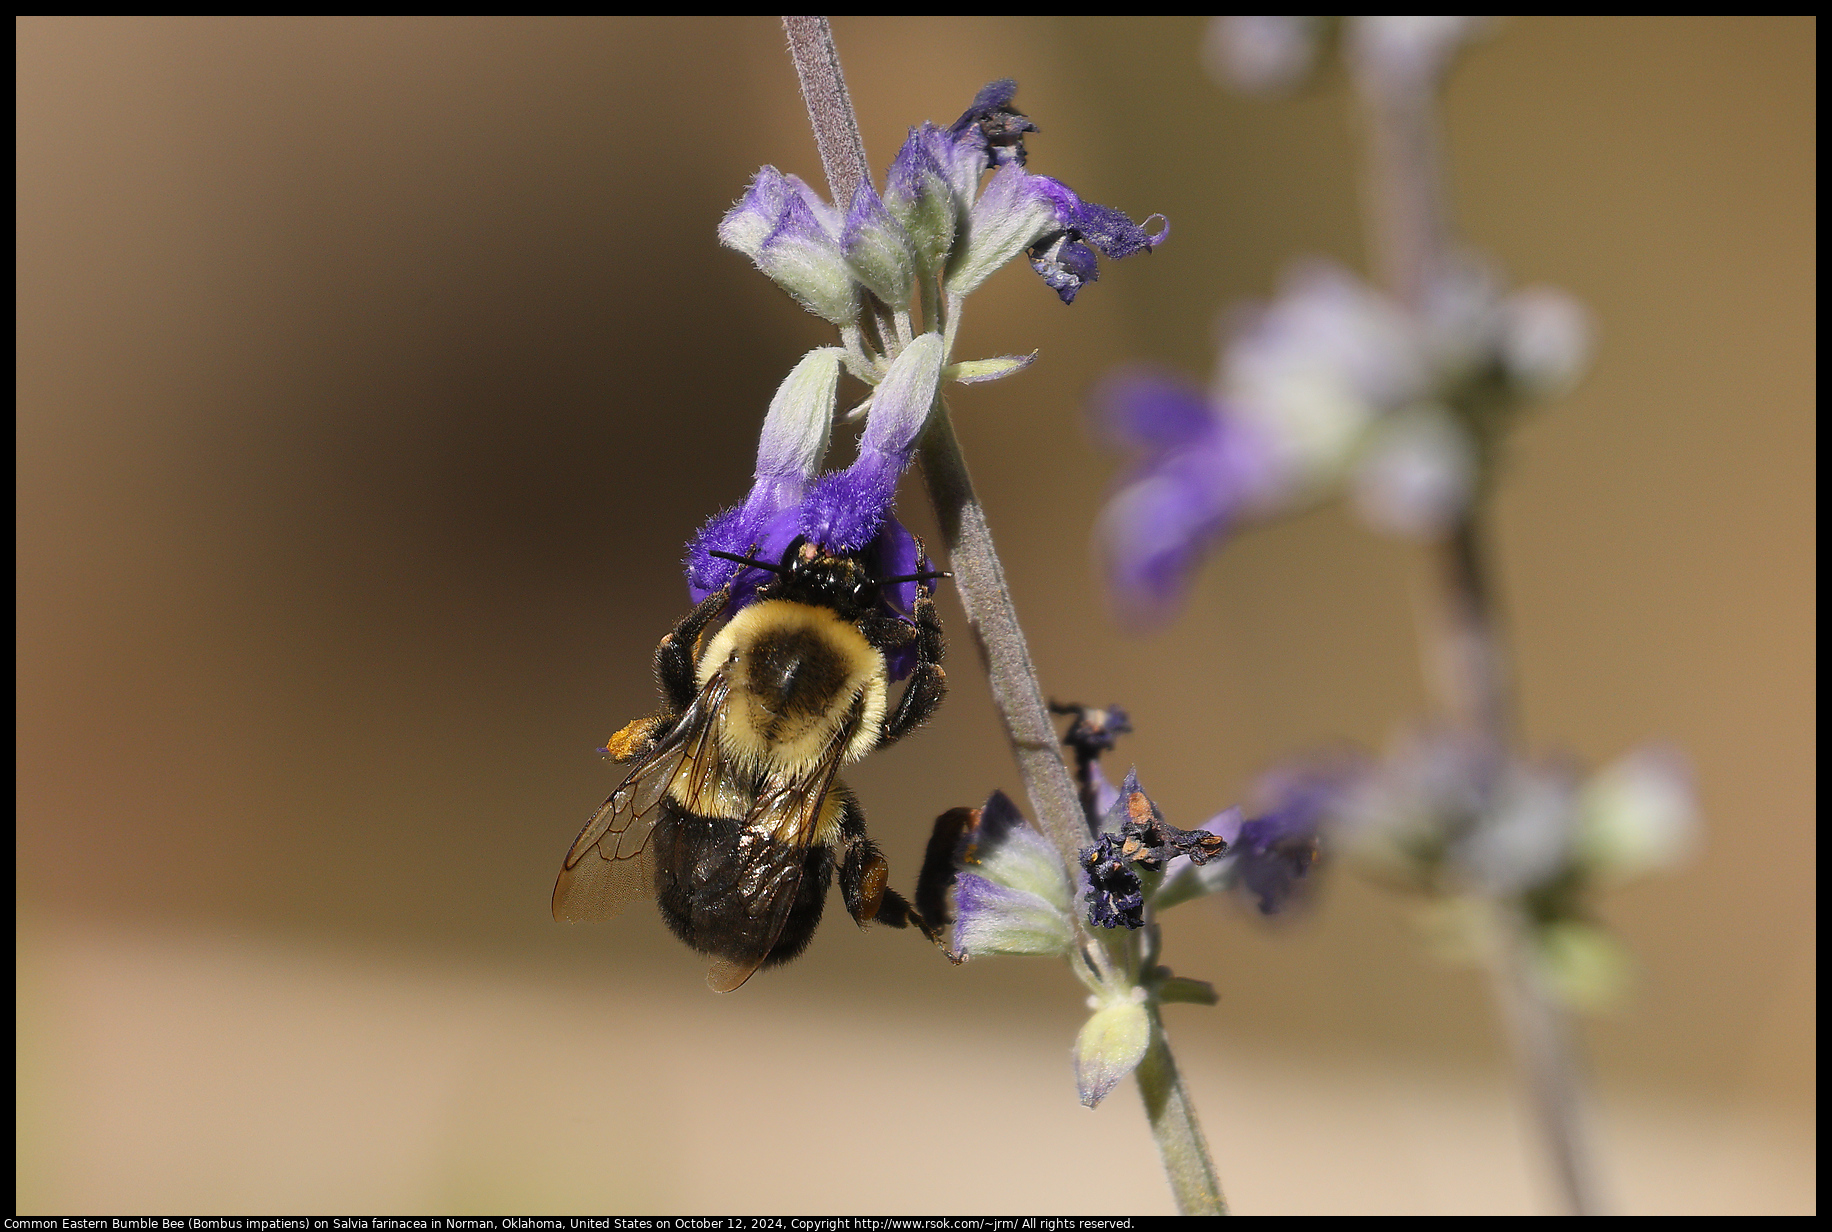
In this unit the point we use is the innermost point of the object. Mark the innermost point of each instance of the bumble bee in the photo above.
(733, 816)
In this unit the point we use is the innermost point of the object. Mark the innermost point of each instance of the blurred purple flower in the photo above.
(1199, 470)
(1272, 852)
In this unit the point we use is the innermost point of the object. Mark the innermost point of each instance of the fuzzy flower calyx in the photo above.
(1010, 892)
(794, 237)
(1111, 1043)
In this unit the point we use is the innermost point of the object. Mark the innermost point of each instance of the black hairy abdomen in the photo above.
(795, 673)
(700, 878)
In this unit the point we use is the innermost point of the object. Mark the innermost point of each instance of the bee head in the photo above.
(811, 574)
(808, 573)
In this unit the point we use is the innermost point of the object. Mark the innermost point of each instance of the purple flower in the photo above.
(994, 125)
(1125, 864)
(1331, 386)
(794, 237)
(1021, 212)
(843, 510)
(1271, 853)
(1011, 894)
(1200, 470)
(1454, 813)
(846, 511)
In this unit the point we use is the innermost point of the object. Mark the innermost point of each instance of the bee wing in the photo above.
(772, 852)
(609, 864)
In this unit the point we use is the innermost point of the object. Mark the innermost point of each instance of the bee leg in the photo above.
(674, 658)
(928, 684)
(864, 883)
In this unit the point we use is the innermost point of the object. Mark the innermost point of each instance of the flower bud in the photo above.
(1545, 339)
(794, 237)
(918, 194)
(879, 249)
(1637, 815)
(1111, 1044)
(1417, 474)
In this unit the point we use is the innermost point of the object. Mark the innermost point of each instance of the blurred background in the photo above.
(373, 373)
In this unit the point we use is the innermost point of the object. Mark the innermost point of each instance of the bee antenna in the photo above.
(929, 576)
(752, 561)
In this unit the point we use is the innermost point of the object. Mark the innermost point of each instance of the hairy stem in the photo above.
(1181, 1146)
(1410, 240)
(980, 579)
(836, 128)
(981, 582)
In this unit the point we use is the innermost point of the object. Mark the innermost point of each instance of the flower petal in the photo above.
(1016, 210)
(844, 510)
(1065, 264)
(1151, 411)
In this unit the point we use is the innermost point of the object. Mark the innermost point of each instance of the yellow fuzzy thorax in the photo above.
(758, 741)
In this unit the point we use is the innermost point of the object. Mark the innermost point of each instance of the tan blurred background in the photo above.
(372, 375)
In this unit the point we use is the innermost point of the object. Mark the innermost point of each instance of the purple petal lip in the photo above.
(1065, 267)
(1113, 232)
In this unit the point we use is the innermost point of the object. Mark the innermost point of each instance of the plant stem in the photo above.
(1410, 242)
(1181, 1146)
(836, 128)
(1540, 1030)
(980, 580)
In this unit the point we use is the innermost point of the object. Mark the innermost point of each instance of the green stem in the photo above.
(980, 580)
(1411, 241)
(1181, 1146)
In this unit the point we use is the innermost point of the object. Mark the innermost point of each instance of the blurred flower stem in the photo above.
(987, 600)
(1466, 655)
